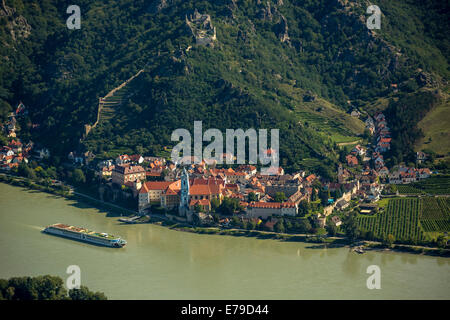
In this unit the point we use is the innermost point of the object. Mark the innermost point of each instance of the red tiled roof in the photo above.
(202, 202)
(235, 174)
(274, 205)
(351, 159)
(154, 185)
(152, 174)
(135, 157)
(127, 169)
(202, 189)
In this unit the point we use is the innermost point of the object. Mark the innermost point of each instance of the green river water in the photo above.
(159, 263)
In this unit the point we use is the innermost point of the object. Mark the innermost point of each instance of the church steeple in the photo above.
(184, 198)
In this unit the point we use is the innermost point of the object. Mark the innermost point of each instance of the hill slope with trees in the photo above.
(299, 66)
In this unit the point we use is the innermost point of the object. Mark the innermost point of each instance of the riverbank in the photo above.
(321, 240)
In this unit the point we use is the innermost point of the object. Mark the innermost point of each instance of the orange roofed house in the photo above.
(122, 174)
(165, 193)
(198, 192)
(202, 191)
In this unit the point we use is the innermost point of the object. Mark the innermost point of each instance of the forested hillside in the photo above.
(300, 66)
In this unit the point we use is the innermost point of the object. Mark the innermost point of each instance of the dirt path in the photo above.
(342, 144)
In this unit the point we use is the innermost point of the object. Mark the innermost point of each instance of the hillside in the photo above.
(300, 66)
(436, 129)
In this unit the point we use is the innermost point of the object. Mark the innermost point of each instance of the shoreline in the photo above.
(319, 241)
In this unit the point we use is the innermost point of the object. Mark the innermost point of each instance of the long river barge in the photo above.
(85, 235)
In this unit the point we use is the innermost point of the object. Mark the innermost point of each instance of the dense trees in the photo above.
(43, 288)
(403, 116)
(280, 197)
(350, 226)
(229, 206)
(59, 74)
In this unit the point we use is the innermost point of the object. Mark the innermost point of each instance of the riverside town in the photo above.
(224, 150)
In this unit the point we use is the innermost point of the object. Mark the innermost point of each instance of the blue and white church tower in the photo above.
(183, 209)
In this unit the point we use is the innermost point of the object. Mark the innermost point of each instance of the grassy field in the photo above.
(324, 116)
(436, 128)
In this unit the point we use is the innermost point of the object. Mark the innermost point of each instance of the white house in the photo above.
(267, 209)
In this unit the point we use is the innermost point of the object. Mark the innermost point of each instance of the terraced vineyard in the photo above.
(435, 215)
(434, 185)
(408, 189)
(409, 218)
(401, 219)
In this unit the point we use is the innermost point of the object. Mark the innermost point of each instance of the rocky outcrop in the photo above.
(202, 29)
(269, 12)
(17, 24)
(159, 5)
(309, 96)
(283, 29)
(425, 79)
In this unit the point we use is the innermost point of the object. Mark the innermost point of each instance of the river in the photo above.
(159, 263)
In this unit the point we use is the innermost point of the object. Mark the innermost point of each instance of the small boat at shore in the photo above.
(85, 235)
(359, 250)
(135, 219)
(129, 220)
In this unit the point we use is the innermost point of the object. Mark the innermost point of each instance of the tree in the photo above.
(324, 195)
(342, 155)
(350, 226)
(279, 226)
(25, 171)
(288, 225)
(280, 197)
(331, 228)
(338, 193)
(84, 294)
(252, 197)
(441, 241)
(389, 240)
(303, 226)
(229, 206)
(313, 195)
(36, 288)
(78, 176)
(303, 208)
(215, 204)
(164, 173)
(198, 208)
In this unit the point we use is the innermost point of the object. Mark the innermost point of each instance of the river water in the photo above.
(159, 263)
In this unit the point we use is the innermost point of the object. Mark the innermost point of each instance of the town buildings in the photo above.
(264, 210)
(122, 174)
